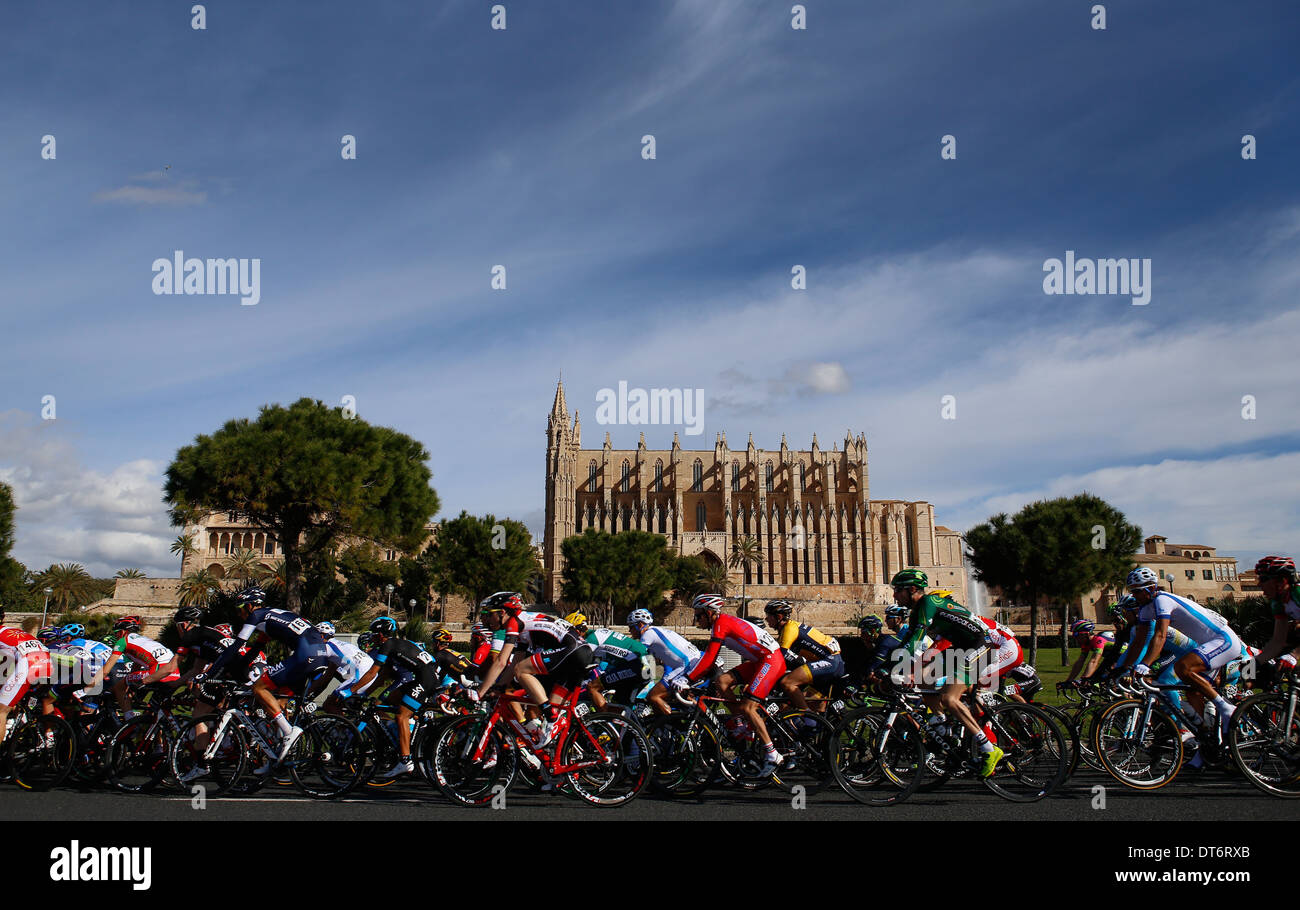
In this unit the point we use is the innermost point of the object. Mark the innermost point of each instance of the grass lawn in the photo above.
(1051, 671)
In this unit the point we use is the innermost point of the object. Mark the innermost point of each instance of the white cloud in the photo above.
(153, 195)
(68, 513)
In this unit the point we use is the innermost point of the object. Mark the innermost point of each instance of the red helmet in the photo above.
(1275, 567)
(708, 602)
(128, 624)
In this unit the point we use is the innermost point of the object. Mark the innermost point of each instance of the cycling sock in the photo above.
(983, 742)
(282, 723)
(769, 749)
(1224, 709)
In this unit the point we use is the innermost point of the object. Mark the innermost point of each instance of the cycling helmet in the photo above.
(50, 636)
(384, 625)
(74, 630)
(779, 607)
(1275, 567)
(128, 624)
(1116, 612)
(365, 640)
(1128, 602)
(870, 624)
(1142, 577)
(189, 614)
(502, 600)
(225, 630)
(708, 602)
(640, 617)
(1082, 627)
(441, 637)
(110, 639)
(479, 630)
(325, 628)
(896, 610)
(252, 596)
(575, 619)
(914, 577)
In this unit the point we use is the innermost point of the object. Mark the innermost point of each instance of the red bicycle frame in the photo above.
(563, 728)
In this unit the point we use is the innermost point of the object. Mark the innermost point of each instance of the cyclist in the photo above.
(28, 664)
(624, 663)
(480, 646)
(154, 662)
(762, 664)
(533, 645)
(812, 657)
(82, 658)
(353, 662)
(456, 668)
(393, 657)
(308, 656)
(951, 626)
(1277, 579)
(1092, 648)
(1007, 653)
(1215, 644)
(675, 655)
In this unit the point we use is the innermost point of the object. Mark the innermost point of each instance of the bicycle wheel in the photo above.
(621, 750)
(226, 763)
(1144, 756)
(1265, 744)
(874, 768)
(1085, 730)
(464, 780)
(328, 759)
(1062, 721)
(42, 752)
(1035, 760)
(139, 756)
(804, 740)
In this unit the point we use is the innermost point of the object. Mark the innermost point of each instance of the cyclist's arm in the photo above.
(1133, 653)
(1157, 641)
(1277, 644)
(1078, 663)
(500, 660)
(916, 632)
(705, 663)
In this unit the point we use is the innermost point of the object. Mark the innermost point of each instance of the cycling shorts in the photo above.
(564, 666)
(1008, 657)
(1023, 681)
(826, 671)
(414, 693)
(943, 664)
(136, 678)
(761, 675)
(21, 678)
(303, 664)
(1219, 652)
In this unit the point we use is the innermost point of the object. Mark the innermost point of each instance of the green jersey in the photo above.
(611, 647)
(942, 617)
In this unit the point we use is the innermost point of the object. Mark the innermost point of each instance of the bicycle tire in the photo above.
(328, 759)
(628, 766)
(1035, 757)
(1268, 756)
(463, 780)
(873, 771)
(1148, 763)
(139, 760)
(228, 762)
(42, 752)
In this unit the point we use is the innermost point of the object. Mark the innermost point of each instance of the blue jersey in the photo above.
(1198, 623)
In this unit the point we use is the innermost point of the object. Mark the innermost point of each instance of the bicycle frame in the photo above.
(564, 728)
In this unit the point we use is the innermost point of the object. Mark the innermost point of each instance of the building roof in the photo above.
(940, 529)
(1169, 557)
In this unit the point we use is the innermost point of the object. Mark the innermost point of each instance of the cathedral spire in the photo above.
(560, 409)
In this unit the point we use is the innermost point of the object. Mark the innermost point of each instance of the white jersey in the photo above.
(355, 664)
(1198, 623)
(671, 650)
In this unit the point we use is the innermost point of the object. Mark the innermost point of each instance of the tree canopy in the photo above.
(479, 555)
(619, 572)
(310, 475)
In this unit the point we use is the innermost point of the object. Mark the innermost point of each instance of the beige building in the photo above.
(821, 535)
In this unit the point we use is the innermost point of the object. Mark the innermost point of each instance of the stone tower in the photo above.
(562, 443)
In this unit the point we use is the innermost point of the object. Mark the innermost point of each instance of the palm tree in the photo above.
(274, 579)
(184, 547)
(245, 564)
(128, 573)
(714, 578)
(71, 584)
(195, 586)
(745, 554)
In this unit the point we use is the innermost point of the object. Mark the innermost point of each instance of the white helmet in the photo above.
(325, 628)
(1142, 577)
(640, 618)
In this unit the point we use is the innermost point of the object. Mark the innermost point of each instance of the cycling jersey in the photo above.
(532, 632)
(802, 641)
(204, 643)
(762, 661)
(353, 662)
(29, 660)
(1216, 643)
(481, 653)
(675, 654)
(944, 618)
(146, 654)
(308, 654)
(398, 654)
(79, 661)
(1007, 656)
(611, 647)
(1290, 609)
(883, 654)
(452, 664)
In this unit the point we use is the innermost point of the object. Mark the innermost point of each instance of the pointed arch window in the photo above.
(767, 476)
(701, 524)
(591, 476)
(659, 476)
(735, 477)
(697, 477)
(627, 473)
(803, 477)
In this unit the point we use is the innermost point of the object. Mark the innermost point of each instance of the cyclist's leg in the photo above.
(792, 684)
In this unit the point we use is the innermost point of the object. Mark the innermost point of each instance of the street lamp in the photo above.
(410, 613)
(1169, 577)
(45, 609)
(390, 589)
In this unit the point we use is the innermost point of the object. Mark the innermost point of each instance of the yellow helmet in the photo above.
(941, 592)
(576, 619)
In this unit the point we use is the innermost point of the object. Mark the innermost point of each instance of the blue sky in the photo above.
(775, 147)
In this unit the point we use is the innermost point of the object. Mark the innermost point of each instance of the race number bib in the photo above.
(299, 626)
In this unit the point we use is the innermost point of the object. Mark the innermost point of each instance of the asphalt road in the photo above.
(1210, 798)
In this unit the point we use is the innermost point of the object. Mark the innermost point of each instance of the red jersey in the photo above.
(745, 638)
(15, 644)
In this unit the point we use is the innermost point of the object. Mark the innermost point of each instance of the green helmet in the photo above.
(914, 577)
(1115, 612)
